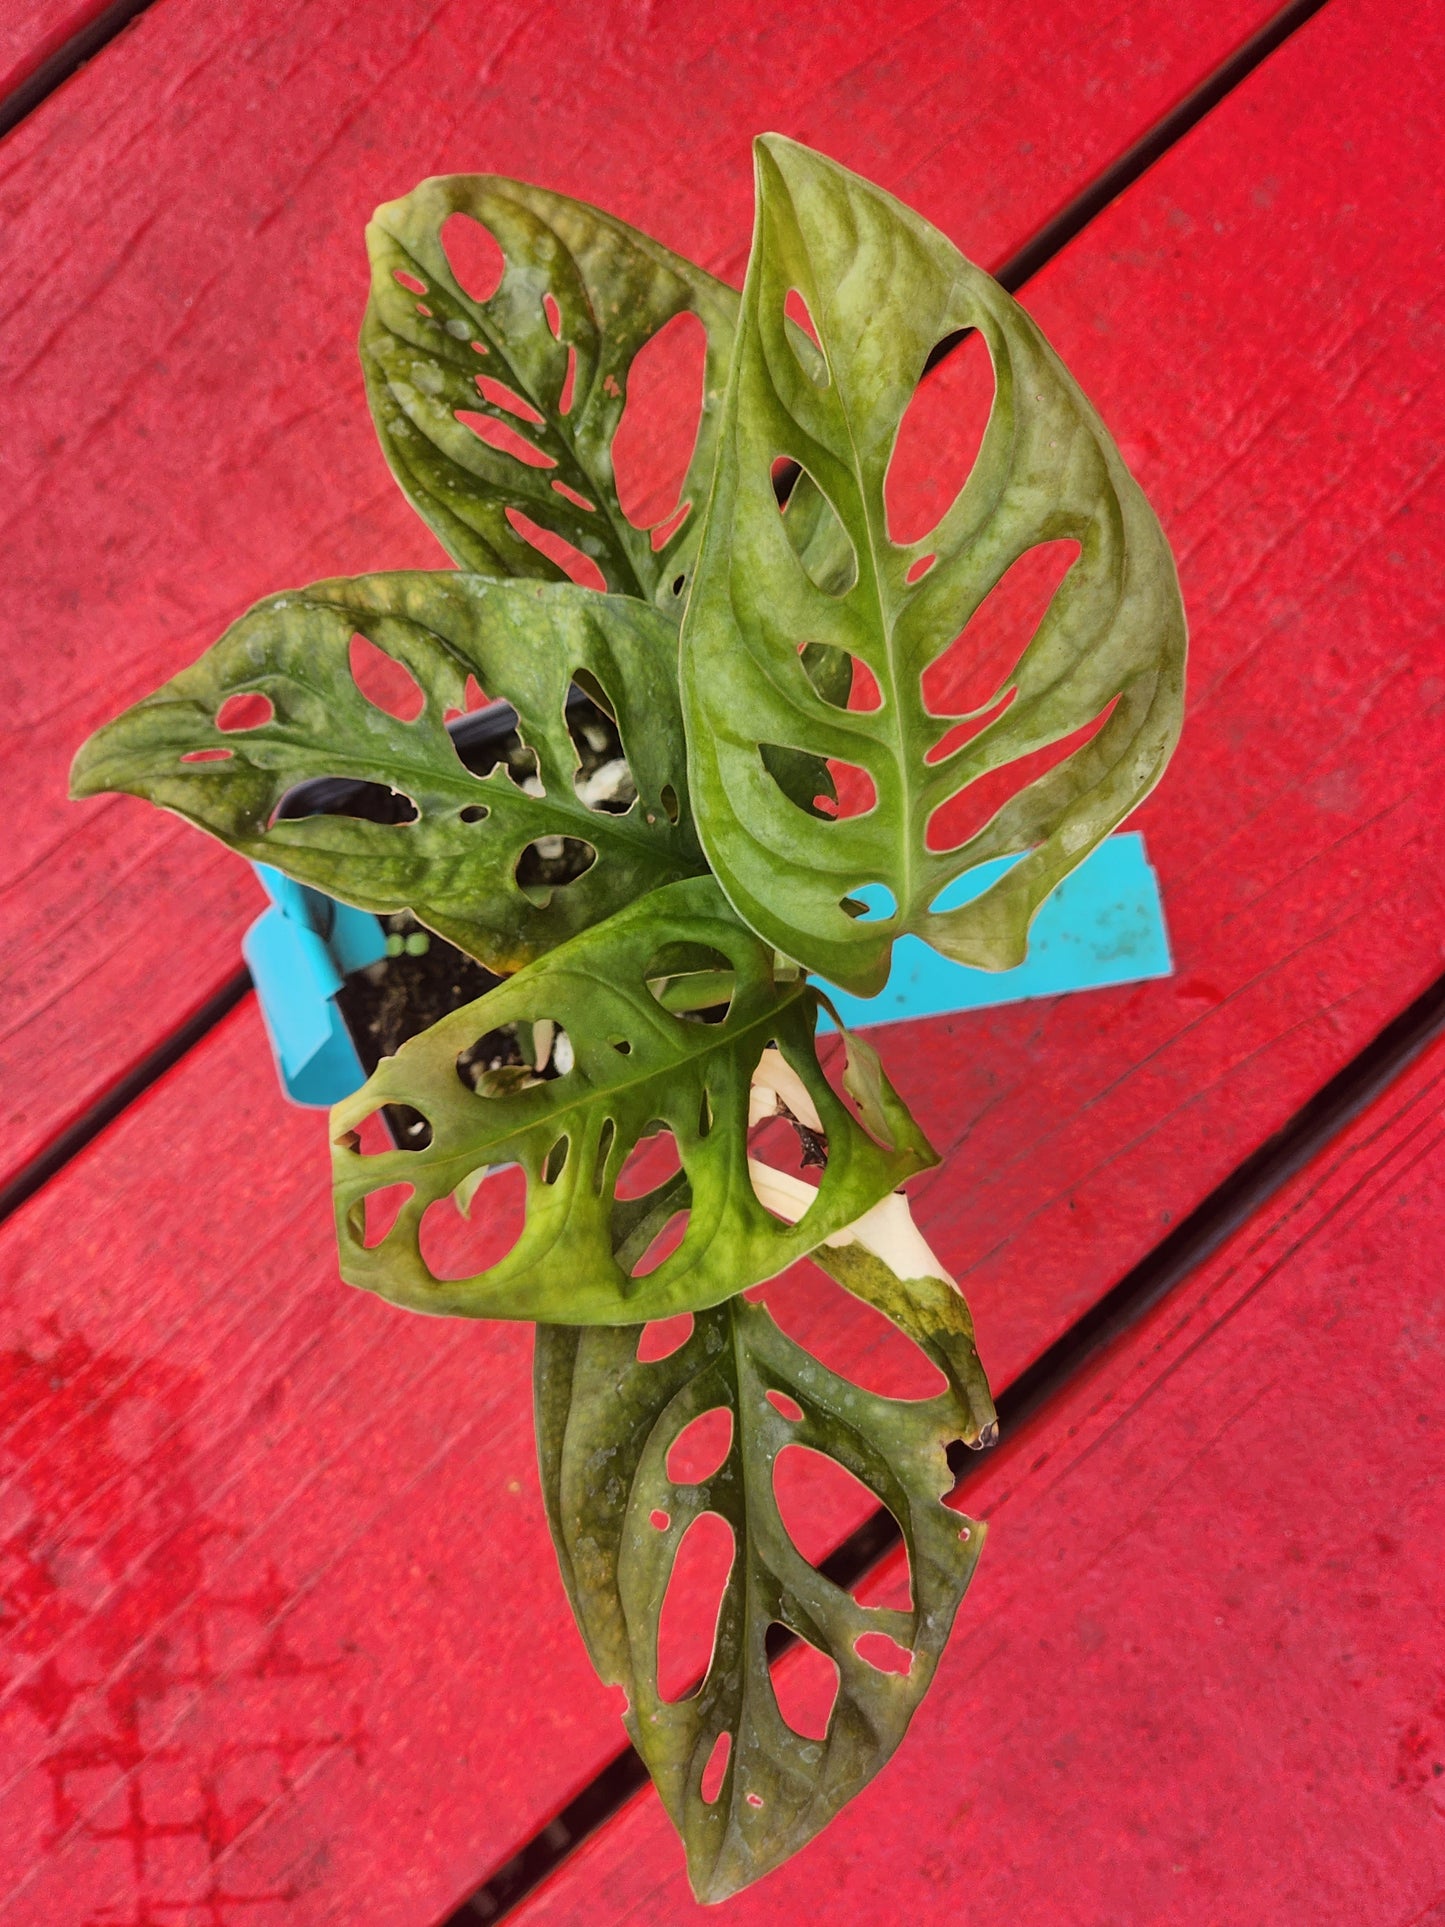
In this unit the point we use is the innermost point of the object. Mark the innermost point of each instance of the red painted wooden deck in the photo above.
(281, 1637)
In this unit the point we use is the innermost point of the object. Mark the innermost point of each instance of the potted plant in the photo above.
(658, 937)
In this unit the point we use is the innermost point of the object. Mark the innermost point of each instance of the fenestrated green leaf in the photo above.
(605, 1425)
(455, 866)
(635, 1068)
(613, 290)
(883, 289)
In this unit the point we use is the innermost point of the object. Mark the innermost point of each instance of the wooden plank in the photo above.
(337, 1542)
(1200, 1677)
(187, 424)
(33, 31)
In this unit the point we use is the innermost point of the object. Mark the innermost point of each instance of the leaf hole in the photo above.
(602, 777)
(870, 903)
(556, 1161)
(208, 756)
(693, 981)
(501, 396)
(658, 1519)
(938, 440)
(473, 813)
(652, 1160)
(662, 532)
(814, 365)
(388, 685)
(454, 1246)
(861, 694)
(374, 1217)
(344, 796)
(704, 1113)
(883, 1654)
(661, 1245)
(850, 1338)
(621, 1046)
(854, 792)
(474, 256)
(553, 314)
(919, 568)
(789, 1407)
(578, 567)
(661, 1337)
(550, 863)
(247, 709)
(754, 1799)
(503, 438)
(715, 1772)
(819, 1500)
(805, 1686)
(977, 666)
(667, 796)
(408, 281)
(368, 1139)
(495, 1065)
(962, 816)
(701, 1447)
(653, 442)
(687, 1629)
(963, 732)
(816, 534)
(578, 501)
(569, 383)
(605, 1139)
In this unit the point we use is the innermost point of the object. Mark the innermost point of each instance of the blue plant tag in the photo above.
(1103, 925)
(299, 953)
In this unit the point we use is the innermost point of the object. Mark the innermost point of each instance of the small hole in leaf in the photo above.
(424, 310)
(570, 494)
(754, 1799)
(474, 813)
(805, 1686)
(556, 1161)
(818, 538)
(813, 365)
(687, 1628)
(654, 440)
(553, 314)
(602, 776)
(919, 568)
(387, 684)
(247, 709)
(473, 255)
(496, 1065)
(820, 1501)
(701, 1447)
(977, 666)
(660, 1246)
(208, 756)
(664, 1336)
(408, 281)
(569, 383)
(855, 690)
(621, 1046)
(605, 1138)
(368, 1139)
(789, 1407)
(849, 1337)
(343, 796)
(958, 734)
(474, 696)
(667, 796)
(855, 792)
(652, 1160)
(501, 396)
(960, 818)
(378, 1212)
(582, 569)
(938, 440)
(885, 1655)
(504, 438)
(658, 1519)
(871, 903)
(455, 1247)
(662, 532)
(693, 981)
(550, 863)
(715, 1772)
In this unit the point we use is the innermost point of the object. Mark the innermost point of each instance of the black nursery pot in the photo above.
(404, 994)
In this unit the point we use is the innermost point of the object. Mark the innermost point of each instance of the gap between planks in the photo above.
(1027, 261)
(1247, 1189)
(56, 68)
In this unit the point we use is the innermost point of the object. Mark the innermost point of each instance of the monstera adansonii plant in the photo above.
(767, 634)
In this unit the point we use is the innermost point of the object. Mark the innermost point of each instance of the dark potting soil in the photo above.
(423, 977)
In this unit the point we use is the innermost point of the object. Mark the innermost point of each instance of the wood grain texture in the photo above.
(33, 30)
(184, 272)
(1202, 1678)
(1266, 354)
